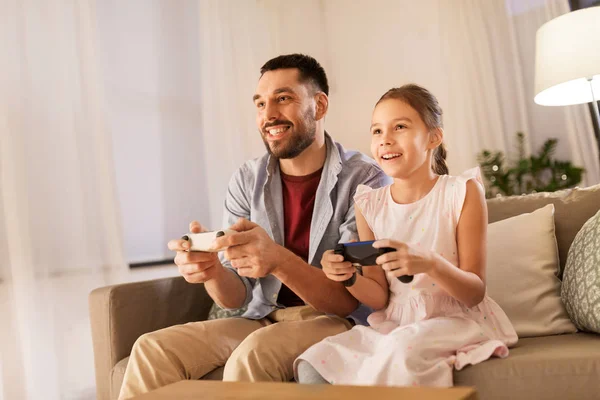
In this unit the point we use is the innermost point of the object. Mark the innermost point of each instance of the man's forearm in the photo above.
(312, 286)
(226, 289)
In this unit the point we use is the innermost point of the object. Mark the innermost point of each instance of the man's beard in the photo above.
(297, 142)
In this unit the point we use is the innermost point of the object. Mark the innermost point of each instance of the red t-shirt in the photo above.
(299, 194)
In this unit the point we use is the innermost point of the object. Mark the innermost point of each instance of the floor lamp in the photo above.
(567, 61)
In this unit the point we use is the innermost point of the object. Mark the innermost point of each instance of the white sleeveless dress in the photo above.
(423, 333)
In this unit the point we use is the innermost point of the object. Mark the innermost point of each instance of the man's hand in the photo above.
(335, 268)
(251, 251)
(195, 266)
(406, 260)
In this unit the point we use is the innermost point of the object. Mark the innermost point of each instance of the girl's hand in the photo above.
(335, 268)
(406, 260)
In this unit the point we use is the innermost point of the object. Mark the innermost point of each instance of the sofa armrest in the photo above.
(120, 314)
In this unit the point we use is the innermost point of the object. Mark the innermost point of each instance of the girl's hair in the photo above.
(430, 112)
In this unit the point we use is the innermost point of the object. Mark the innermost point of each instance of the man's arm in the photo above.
(254, 254)
(205, 267)
(310, 283)
(312, 286)
(221, 281)
(316, 289)
(227, 291)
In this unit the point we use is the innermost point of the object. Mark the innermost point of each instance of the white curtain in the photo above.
(476, 57)
(59, 223)
(236, 39)
(489, 53)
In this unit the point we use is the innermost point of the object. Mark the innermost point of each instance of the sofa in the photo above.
(558, 366)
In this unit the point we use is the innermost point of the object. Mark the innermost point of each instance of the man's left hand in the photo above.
(251, 251)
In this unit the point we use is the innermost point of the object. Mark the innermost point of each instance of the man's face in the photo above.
(285, 113)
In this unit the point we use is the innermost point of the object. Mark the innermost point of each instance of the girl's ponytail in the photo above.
(439, 160)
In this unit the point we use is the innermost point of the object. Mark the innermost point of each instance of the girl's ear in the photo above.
(322, 104)
(436, 137)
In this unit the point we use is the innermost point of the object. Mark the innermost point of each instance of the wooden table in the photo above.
(216, 390)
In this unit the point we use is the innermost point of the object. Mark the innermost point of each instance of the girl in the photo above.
(437, 225)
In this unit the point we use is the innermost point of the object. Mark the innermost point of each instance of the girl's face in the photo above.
(400, 140)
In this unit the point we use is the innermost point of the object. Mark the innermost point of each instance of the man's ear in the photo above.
(436, 137)
(322, 104)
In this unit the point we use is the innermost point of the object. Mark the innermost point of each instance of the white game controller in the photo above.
(204, 241)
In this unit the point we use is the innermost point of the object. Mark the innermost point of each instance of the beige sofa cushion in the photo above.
(522, 273)
(551, 368)
(573, 208)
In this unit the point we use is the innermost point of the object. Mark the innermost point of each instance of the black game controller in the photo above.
(363, 254)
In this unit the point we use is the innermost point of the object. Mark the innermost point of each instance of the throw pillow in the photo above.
(522, 273)
(217, 312)
(573, 208)
(581, 282)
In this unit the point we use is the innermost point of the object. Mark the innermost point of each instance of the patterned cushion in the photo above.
(217, 312)
(581, 281)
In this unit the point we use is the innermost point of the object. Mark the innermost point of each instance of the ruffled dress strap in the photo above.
(368, 201)
(459, 188)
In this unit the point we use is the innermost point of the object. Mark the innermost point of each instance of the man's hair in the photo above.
(310, 69)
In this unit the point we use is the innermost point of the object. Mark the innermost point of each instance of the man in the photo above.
(288, 207)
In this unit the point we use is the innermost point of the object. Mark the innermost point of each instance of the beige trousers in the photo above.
(250, 350)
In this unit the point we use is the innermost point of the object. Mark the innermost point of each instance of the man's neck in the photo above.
(310, 160)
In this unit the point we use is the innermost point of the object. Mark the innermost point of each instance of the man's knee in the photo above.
(154, 348)
(268, 353)
(255, 360)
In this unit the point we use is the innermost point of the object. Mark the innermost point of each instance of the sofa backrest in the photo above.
(573, 207)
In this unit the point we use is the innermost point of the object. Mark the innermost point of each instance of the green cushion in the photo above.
(581, 281)
(217, 312)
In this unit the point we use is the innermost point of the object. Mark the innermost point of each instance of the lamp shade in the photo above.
(567, 55)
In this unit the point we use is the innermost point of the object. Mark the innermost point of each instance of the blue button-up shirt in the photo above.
(254, 193)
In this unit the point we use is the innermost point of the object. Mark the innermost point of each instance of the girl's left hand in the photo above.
(406, 260)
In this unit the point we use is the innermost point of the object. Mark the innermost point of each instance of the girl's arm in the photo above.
(467, 283)
(371, 288)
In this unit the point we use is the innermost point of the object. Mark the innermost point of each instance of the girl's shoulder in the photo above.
(473, 173)
(368, 199)
(456, 188)
(364, 190)
(366, 193)
(456, 185)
